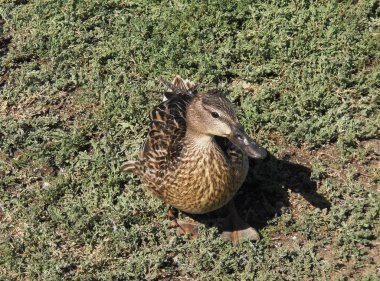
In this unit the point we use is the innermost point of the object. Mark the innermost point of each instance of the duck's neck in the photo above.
(198, 140)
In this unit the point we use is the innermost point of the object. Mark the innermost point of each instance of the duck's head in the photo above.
(211, 114)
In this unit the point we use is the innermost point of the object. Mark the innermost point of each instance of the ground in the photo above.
(77, 81)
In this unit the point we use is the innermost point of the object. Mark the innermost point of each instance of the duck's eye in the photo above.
(215, 114)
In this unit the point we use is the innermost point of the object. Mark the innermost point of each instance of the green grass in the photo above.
(77, 81)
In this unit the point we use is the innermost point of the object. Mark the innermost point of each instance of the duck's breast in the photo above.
(203, 181)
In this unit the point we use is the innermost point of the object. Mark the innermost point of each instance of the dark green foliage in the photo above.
(77, 81)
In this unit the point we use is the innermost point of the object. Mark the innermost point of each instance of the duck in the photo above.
(195, 156)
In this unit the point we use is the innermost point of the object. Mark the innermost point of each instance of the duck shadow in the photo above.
(265, 193)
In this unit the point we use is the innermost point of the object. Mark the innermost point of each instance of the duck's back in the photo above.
(164, 142)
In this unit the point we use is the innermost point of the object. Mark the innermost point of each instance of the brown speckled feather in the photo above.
(163, 144)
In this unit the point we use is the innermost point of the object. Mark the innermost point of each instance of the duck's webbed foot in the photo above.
(182, 227)
(236, 229)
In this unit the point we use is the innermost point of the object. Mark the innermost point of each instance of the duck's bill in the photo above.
(247, 144)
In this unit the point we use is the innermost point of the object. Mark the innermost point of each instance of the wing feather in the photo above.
(163, 144)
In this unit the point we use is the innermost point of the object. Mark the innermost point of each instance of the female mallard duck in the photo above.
(195, 157)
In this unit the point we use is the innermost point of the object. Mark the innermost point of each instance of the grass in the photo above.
(77, 81)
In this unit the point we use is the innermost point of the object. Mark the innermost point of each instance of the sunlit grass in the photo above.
(77, 81)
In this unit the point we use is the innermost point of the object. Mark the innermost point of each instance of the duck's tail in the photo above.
(178, 85)
(183, 84)
(129, 167)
